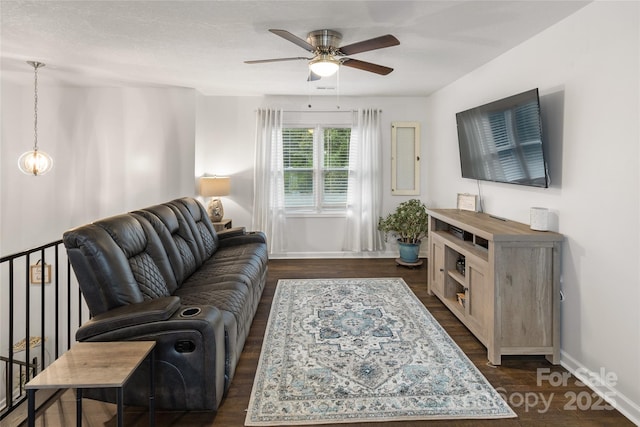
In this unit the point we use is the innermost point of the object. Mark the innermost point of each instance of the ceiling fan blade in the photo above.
(260, 61)
(294, 39)
(371, 44)
(367, 66)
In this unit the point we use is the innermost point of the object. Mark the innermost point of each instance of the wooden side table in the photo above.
(221, 225)
(95, 365)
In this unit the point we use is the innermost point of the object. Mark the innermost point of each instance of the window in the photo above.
(316, 168)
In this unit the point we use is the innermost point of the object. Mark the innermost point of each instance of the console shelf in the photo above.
(500, 278)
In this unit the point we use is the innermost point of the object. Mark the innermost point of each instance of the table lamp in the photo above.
(214, 187)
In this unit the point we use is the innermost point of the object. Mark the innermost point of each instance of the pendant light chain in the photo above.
(35, 106)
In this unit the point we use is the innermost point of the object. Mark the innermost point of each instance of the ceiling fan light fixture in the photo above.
(324, 65)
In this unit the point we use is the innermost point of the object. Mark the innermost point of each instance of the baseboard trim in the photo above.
(597, 382)
(331, 255)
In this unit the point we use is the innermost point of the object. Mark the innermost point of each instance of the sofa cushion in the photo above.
(257, 251)
(214, 270)
(177, 238)
(229, 296)
(235, 303)
(145, 254)
(119, 260)
(196, 218)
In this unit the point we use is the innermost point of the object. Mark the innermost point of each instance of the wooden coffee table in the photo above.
(95, 365)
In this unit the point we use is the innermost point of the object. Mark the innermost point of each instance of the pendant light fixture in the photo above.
(35, 162)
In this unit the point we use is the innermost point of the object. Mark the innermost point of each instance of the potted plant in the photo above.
(409, 225)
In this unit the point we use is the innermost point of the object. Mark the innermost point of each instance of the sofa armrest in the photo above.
(249, 237)
(231, 232)
(189, 353)
(150, 311)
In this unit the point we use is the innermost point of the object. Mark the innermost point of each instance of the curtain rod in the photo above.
(319, 111)
(322, 111)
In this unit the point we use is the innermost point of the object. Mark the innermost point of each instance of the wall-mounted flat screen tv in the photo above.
(502, 141)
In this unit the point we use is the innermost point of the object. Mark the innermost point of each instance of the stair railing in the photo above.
(41, 307)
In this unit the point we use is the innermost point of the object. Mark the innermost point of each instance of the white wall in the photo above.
(225, 145)
(587, 70)
(114, 150)
(225, 141)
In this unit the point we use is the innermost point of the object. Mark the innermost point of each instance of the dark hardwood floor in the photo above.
(517, 379)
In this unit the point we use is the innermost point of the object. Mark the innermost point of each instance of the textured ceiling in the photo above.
(202, 44)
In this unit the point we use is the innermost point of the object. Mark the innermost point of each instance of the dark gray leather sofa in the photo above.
(164, 274)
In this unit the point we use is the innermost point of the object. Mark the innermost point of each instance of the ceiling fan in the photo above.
(328, 55)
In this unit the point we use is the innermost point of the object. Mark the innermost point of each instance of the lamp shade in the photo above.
(215, 186)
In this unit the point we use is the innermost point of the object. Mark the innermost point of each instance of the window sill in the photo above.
(329, 214)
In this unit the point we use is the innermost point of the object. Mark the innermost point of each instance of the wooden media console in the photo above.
(500, 278)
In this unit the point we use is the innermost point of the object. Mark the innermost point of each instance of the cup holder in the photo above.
(190, 312)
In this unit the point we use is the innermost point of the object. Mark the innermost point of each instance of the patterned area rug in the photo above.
(358, 350)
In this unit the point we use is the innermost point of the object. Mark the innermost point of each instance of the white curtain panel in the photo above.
(364, 193)
(268, 202)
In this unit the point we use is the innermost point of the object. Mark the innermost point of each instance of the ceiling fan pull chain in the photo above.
(338, 89)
